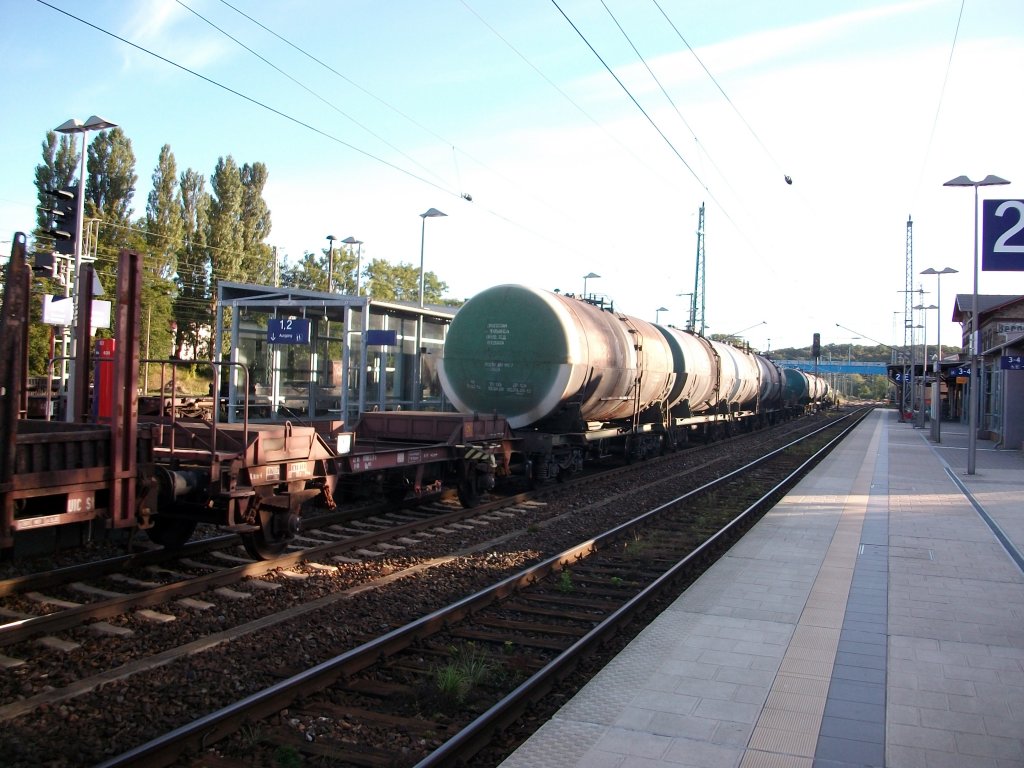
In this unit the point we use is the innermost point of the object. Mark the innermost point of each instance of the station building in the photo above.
(312, 355)
(1001, 322)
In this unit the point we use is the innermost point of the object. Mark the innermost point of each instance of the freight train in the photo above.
(577, 380)
(542, 383)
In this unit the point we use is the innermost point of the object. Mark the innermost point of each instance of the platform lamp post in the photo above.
(68, 127)
(972, 428)
(936, 386)
(588, 276)
(359, 257)
(657, 313)
(430, 213)
(330, 262)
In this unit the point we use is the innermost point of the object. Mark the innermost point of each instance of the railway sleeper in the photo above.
(500, 639)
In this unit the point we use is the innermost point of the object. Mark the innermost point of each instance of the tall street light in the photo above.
(691, 319)
(924, 358)
(588, 276)
(744, 330)
(658, 311)
(359, 257)
(936, 388)
(849, 363)
(330, 262)
(972, 435)
(69, 127)
(430, 213)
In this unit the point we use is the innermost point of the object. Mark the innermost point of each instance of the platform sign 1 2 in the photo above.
(1002, 235)
(288, 330)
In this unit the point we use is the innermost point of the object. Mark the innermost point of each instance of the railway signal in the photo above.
(63, 220)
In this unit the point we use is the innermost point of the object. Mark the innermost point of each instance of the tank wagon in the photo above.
(577, 380)
(542, 382)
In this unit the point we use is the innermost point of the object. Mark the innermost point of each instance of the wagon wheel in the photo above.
(171, 532)
(279, 522)
(469, 495)
(271, 538)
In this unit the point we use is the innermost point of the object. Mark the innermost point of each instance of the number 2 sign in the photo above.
(1002, 235)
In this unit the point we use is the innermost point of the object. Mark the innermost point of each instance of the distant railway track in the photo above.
(328, 583)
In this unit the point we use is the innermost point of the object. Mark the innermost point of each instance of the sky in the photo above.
(538, 127)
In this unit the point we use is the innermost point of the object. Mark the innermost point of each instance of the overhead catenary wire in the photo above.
(252, 100)
(938, 107)
(669, 98)
(722, 91)
(307, 89)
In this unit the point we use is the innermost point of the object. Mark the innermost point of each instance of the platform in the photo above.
(874, 617)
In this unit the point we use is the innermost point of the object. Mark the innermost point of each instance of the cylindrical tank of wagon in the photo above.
(739, 383)
(799, 388)
(523, 353)
(696, 369)
(771, 382)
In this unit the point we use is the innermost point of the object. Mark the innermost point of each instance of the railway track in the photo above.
(317, 580)
(508, 644)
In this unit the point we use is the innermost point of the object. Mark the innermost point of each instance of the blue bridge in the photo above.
(836, 366)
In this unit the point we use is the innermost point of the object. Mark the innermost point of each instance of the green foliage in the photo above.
(287, 757)
(565, 581)
(401, 282)
(469, 667)
(190, 238)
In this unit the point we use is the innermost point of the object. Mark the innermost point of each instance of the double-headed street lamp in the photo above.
(69, 127)
(359, 257)
(936, 387)
(972, 435)
(924, 358)
(691, 313)
(430, 213)
(658, 311)
(588, 276)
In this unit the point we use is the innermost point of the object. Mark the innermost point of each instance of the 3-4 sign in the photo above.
(1012, 362)
(1002, 236)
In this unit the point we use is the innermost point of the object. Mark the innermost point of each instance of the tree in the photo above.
(254, 218)
(401, 282)
(224, 239)
(192, 303)
(164, 225)
(109, 189)
(163, 229)
(57, 171)
(309, 273)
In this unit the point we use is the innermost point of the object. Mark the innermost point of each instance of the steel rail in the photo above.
(214, 726)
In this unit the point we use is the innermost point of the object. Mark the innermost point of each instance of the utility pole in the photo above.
(906, 390)
(697, 299)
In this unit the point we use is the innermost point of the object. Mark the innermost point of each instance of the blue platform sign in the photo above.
(1011, 362)
(1002, 235)
(381, 338)
(288, 331)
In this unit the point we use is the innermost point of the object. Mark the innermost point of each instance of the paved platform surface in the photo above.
(874, 617)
